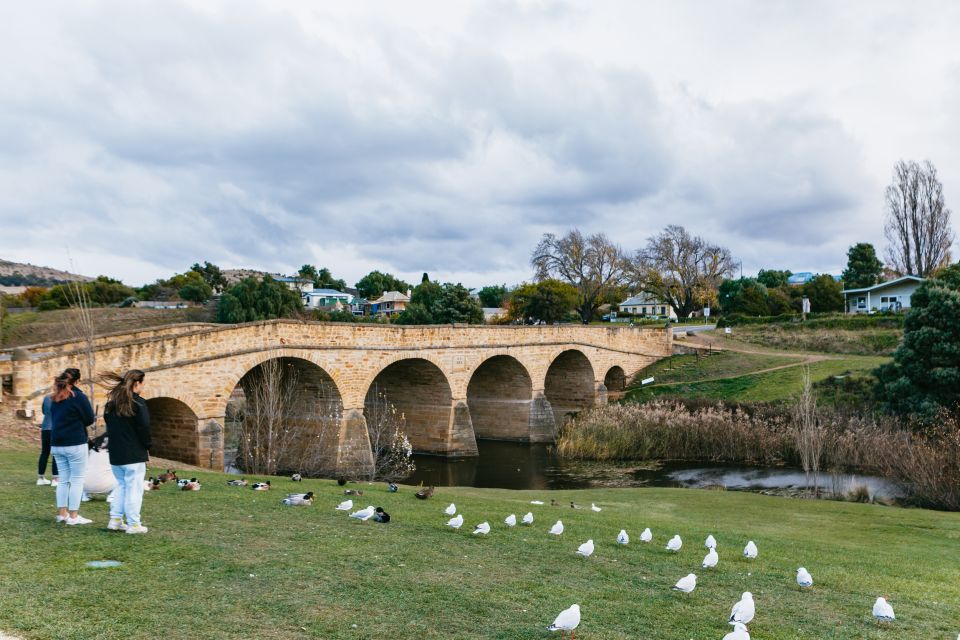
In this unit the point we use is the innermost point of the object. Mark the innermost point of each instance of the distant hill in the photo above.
(19, 274)
(234, 276)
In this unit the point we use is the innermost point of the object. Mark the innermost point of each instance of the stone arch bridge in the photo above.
(453, 383)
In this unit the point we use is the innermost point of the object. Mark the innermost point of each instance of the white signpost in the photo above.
(646, 381)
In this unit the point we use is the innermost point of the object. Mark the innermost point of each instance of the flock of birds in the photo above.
(741, 614)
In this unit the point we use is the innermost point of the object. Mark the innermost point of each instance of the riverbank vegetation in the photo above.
(925, 462)
(227, 562)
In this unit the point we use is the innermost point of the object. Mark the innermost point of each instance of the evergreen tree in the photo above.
(863, 267)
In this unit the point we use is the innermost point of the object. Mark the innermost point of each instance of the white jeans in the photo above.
(128, 496)
(72, 465)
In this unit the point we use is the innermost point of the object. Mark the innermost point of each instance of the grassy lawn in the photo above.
(690, 368)
(869, 341)
(773, 386)
(232, 563)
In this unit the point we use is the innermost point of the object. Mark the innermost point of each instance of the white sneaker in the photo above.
(61, 518)
(55, 482)
(78, 520)
(84, 497)
(116, 524)
(136, 528)
(42, 482)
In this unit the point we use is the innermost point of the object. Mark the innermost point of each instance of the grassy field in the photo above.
(232, 563)
(691, 368)
(48, 326)
(795, 337)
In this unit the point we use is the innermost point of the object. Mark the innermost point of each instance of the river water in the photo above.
(513, 465)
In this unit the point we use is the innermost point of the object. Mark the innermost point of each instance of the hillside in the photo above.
(19, 274)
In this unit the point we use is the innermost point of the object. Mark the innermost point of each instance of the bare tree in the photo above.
(809, 433)
(278, 430)
(683, 270)
(392, 451)
(592, 264)
(918, 221)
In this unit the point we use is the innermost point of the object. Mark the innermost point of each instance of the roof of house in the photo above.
(883, 285)
(641, 298)
(326, 292)
(391, 296)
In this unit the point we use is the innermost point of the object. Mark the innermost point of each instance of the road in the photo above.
(696, 328)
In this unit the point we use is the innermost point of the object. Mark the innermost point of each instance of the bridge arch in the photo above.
(295, 398)
(173, 430)
(419, 390)
(615, 381)
(499, 396)
(570, 384)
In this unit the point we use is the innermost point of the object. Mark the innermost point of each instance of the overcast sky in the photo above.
(139, 137)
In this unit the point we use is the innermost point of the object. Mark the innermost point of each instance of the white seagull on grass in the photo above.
(586, 549)
(363, 514)
(510, 520)
(711, 559)
(675, 544)
(750, 551)
(687, 583)
(804, 579)
(483, 527)
(568, 620)
(739, 633)
(646, 536)
(451, 510)
(346, 505)
(455, 522)
(595, 507)
(557, 528)
(744, 610)
(622, 537)
(711, 542)
(882, 611)
(528, 519)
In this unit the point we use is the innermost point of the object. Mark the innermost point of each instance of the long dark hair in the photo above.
(120, 398)
(63, 384)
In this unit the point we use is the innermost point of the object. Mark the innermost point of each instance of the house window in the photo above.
(861, 303)
(663, 311)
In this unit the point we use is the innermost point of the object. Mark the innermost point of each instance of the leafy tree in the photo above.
(683, 270)
(863, 267)
(825, 294)
(102, 291)
(493, 295)
(375, 283)
(779, 301)
(212, 276)
(772, 278)
(924, 377)
(744, 295)
(592, 264)
(433, 303)
(321, 278)
(548, 300)
(32, 296)
(415, 313)
(251, 300)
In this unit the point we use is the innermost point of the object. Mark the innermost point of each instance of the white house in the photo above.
(644, 304)
(317, 298)
(893, 295)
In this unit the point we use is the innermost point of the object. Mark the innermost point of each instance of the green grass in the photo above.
(232, 563)
(773, 386)
(691, 368)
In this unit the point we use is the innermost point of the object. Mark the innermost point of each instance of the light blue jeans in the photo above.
(128, 496)
(72, 465)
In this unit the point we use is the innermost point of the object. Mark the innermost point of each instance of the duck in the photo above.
(423, 494)
(595, 508)
(381, 516)
(237, 483)
(341, 481)
(299, 499)
(168, 476)
(151, 485)
(182, 482)
(554, 503)
(573, 505)
(296, 477)
(191, 485)
(392, 488)
(261, 486)
(353, 492)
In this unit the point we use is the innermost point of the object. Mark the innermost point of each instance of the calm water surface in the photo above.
(513, 465)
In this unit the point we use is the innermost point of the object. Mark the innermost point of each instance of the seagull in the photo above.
(750, 551)
(363, 514)
(528, 519)
(451, 510)
(595, 508)
(882, 611)
(346, 505)
(804, 579)
(739, 633)
(711, 542)
(557, 528)
(675, 544)
(510, 520)
(622, 537)
(536, 502)
(483, 527)
(455, 522)
(743, 611)
(646, 536)
(586, 549)
(711, 559)
(299, 499)
(566, 621)
(687, 583)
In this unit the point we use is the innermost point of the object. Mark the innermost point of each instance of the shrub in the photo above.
(48, 305)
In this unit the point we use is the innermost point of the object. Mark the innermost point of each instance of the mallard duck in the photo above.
(296, 477)
(261, 486)
(191, 485)
(299, 499)
(341, 481)
(392, 488)
(423, 494)
(381, 516)
(353, 492)
(182, 482)
(237, 483)
(168, 476)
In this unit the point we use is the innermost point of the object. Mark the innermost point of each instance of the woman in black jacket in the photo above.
(128, 441)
